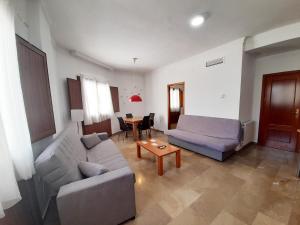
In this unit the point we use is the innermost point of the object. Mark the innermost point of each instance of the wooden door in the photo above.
(279, 114)
(36, 90)
(174, 116)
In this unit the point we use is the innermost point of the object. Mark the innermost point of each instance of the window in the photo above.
(174, 100)
(97, 101)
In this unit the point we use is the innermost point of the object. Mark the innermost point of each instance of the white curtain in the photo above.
(174, 100)
(16, 159)
(97, 102)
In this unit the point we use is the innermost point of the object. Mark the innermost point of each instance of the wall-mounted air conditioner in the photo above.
(214, 62)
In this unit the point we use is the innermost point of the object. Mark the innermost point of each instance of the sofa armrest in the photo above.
(103, 136)
(105, 199)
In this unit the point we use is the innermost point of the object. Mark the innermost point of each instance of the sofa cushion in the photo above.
(90, 141)
(103, 136)
(107, 154)
(58, 164)
(220, 144)
(210, 126)
(89, 169)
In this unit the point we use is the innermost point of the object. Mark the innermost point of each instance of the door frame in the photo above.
(168, 94)
(262, 101)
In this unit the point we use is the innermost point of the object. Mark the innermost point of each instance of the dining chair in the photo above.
(124, 127)
(144, 125)
(151, 115)
(129, 115)
(151, 119)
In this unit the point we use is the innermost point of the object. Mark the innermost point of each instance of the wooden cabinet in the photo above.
(36, 90)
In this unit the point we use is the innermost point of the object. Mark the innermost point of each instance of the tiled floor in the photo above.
(257, 186)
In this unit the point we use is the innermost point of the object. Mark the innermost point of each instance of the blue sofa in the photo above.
(216, 138)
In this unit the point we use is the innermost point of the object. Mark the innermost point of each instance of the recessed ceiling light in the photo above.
(197, 21)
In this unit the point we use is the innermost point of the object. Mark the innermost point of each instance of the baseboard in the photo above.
(156, 130)
(117, 133)
(239, 148)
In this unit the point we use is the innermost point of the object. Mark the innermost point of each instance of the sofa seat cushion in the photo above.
(220, 144)
(107, 154)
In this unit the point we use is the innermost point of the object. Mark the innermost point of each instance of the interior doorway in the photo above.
(175, 103)
(279, 112)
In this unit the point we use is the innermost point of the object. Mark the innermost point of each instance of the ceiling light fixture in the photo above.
(197, 21)
(134, 59)
(135, 97)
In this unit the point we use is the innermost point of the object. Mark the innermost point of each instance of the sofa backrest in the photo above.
(58, 164)
(210, 126)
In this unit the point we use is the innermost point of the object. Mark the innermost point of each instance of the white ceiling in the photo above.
(157, 31)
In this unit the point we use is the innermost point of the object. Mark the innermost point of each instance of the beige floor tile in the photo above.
(178, 200)
(225, 218)
(210, 204)
(277, 207)
(241, 171)
(245, 206)
(262, 219)
(256, 186)
(188, 217)
(152, 215)
(294, 218)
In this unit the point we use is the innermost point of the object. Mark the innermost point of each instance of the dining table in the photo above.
(134, 122)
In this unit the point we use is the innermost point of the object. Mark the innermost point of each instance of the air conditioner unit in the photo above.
(214, 62)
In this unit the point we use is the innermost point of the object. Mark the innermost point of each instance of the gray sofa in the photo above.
(107, 199)
(213, 137)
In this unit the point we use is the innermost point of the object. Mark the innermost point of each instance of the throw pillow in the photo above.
(89, 169)
(90, 141)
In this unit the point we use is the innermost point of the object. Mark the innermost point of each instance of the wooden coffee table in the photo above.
(152, 146)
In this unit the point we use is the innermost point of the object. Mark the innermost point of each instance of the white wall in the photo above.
(247, 83)
(213, 91)
(32, 25)
(48, 45)
(287, 61)
(129, 83)
(69, 66)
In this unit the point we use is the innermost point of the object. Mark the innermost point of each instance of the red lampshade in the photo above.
(135, 98)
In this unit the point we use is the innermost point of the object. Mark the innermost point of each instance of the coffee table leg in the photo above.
(178, 159)
(138, 150)
(160, 166)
